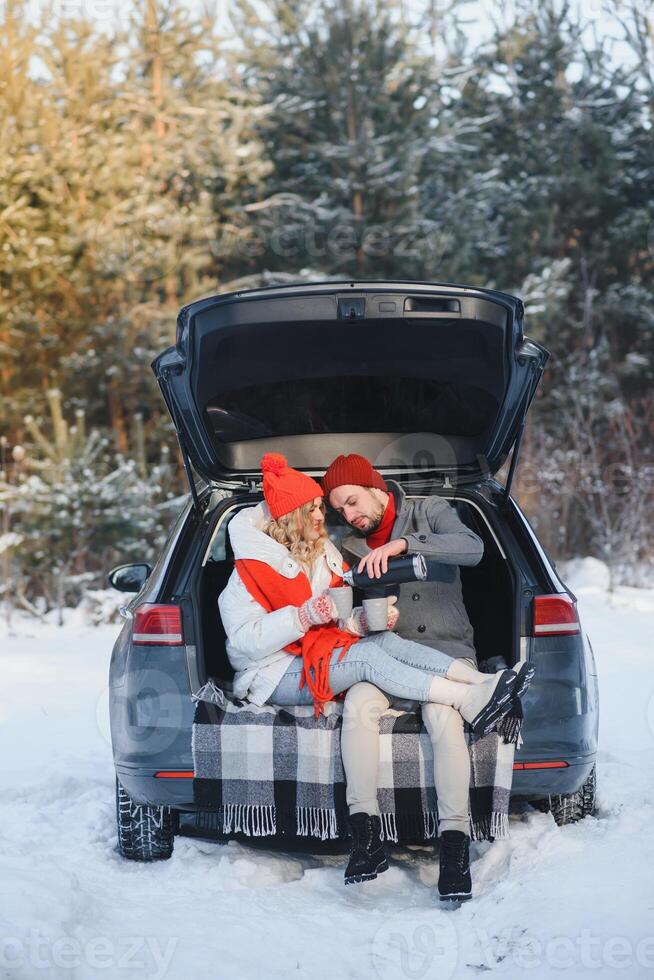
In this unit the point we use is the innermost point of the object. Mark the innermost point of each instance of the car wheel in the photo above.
(571, 807)
(145, 832)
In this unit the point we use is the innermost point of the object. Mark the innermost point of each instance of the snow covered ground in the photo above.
(579, 898)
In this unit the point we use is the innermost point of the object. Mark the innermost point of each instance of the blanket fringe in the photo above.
(510, 727)
(431, 824)
(244, 818)
(210, 692)
(258, 820)
(407, 826)
(495, 825)
(316, 821)
(388, 827)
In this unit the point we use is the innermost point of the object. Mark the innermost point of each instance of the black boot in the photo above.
(454, 882)
(368, 855)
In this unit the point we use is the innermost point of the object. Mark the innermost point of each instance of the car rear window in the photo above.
(353, 403)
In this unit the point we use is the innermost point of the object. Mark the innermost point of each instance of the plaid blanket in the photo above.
(272, 770)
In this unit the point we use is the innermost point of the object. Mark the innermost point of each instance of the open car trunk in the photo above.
(426, 380)
(488, 593)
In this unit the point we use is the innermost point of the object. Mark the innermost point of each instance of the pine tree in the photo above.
(71, 509)
(350, 106)
(122, 162)
(565, 143)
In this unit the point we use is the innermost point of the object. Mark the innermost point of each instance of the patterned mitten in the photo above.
(356, 622)
(317, 611)
(393, 613)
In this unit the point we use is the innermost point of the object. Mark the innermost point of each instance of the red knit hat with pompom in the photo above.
(285, 489)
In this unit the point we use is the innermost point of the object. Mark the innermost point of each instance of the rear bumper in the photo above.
(144, 787)
(536, 784)
(528, 784)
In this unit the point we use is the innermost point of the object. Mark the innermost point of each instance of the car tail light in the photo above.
(550, 764)
(174, 774)
(157, 625)
(555, 615)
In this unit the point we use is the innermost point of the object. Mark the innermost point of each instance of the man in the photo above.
(386, 524)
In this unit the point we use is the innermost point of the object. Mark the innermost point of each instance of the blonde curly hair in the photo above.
(293, 529)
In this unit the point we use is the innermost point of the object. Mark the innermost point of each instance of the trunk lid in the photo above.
(426, 380)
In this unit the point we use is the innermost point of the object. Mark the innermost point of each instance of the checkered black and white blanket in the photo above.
(273, 770)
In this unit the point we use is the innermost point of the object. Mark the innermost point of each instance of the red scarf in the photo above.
(383, 532)
(273, 591)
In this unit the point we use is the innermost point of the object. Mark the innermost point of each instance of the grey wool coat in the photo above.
(432, 612)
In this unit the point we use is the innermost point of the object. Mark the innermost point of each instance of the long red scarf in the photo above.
(383, 532)
(273, 591)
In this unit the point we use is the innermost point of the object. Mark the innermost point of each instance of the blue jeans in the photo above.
(401, 668)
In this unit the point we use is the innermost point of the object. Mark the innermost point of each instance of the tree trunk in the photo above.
(357, 197)
(157, 71)
(117, 417)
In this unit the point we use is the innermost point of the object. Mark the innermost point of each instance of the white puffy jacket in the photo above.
(256, 638)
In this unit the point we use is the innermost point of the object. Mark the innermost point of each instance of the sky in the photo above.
(479, 19)
(479, 14)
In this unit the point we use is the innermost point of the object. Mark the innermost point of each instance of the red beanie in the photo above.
(353, 469)
(285, 489)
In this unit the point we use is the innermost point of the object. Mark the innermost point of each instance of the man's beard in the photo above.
(375, 521)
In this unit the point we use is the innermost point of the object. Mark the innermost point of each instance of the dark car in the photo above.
(432, 382)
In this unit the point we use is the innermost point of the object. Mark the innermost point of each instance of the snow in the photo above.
(9, 540)
(546, 899)
(588, 575)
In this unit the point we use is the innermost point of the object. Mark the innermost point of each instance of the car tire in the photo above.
(145, 832)
(571, 807)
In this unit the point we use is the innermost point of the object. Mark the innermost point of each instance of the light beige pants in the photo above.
(364, 704)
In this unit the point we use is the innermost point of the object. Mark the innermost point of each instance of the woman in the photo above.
(283, 637)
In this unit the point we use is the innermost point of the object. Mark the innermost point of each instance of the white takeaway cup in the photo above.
(342, 596)
(376, 611)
